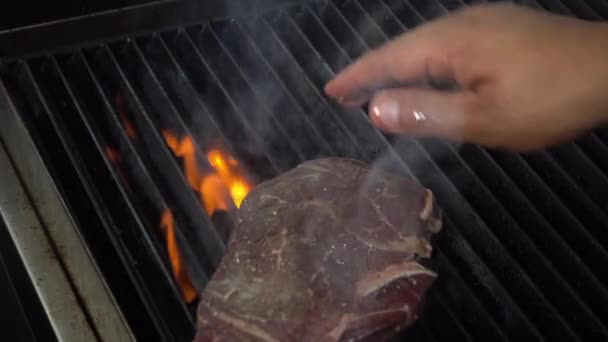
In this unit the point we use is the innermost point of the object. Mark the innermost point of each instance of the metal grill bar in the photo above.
(381, 16)
(92, 105)
(545, 235)
(303, 90)
(429, 9)
(593, 217)
(572, 159)
(171, 119)
(466, 296)
(369, 140)
(601, 7)
(174, 185)
(541, 271)
(444, 331)
(130, 57)
(555, 6)
(142, 233)
(602, 134)
(299, 130)
(83, 173)
(269, 88)
(353, 14)
(530, 3)
(196, 111)
(581, 9)
(149, 190)
(553, 209)
(580, 159)
(242, 93)
(405, 12)
(220, 104)
(234, 86)
(452, 5)
(340, 30)
(490, 251)
(429, 329)
(595, 149)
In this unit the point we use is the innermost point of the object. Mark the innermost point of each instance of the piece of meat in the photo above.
(325, 252)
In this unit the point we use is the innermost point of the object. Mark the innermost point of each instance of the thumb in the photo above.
(422, 112)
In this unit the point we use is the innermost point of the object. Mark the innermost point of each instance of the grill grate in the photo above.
(523, 252)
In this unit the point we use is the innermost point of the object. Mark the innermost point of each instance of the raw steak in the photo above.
(324, 252)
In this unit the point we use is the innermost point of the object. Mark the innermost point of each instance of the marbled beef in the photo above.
(324, 252)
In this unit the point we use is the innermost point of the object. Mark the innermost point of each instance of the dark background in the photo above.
(29, 12)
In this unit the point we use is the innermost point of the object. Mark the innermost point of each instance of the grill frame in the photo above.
(497, 275)
(66, 280)
(106, 26)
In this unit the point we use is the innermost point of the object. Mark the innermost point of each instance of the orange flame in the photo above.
(214, 194)
(167, 224)
(112, 154)
(215, 189)
(228, 171)
(186, 150)
(122, 113)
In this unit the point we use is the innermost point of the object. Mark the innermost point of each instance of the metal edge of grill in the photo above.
(74, 295)
(103, 27)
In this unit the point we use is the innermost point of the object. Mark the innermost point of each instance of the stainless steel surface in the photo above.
(43, 231)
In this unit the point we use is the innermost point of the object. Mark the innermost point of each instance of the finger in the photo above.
(408, 60)
(390, 65)
(423, 112)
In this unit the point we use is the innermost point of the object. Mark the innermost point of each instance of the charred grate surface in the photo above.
(524, 250)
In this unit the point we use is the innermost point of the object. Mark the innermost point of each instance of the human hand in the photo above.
(524, 78)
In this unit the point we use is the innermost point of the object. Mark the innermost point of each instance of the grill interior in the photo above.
(523, 252)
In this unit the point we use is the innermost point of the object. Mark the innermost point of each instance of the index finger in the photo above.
(409, 60)
(394, 64)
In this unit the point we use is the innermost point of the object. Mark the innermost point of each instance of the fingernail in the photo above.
(386, 112)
